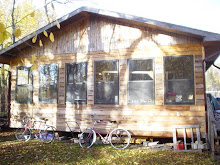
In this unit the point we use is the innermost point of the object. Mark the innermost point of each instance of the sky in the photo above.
(198, 14)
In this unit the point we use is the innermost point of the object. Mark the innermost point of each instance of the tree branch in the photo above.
(13, 23)
(46, 10)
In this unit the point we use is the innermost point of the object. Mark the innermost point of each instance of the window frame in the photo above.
(16, 89)
(86, 83)
(57, 85)
(128, 80)
(192, 79)
(117, 65)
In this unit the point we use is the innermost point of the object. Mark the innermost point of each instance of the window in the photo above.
(141, 82)
(76, 86)
(179, 80)
(106, 82)
(24, 85)
(48, 82)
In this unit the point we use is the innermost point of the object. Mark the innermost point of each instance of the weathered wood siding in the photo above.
(94, 38)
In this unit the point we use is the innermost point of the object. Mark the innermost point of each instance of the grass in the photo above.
(34, 152)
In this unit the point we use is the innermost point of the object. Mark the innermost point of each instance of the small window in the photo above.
(48, 82)
(179, 80)
(141, 82)
(24, 85)
(106, 82)
(76, 83)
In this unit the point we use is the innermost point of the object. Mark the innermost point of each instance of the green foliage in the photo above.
(213, 79)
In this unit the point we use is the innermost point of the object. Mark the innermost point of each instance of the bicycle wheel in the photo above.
(87, 138)
(119, 138)
(47, 135)
(23, 134)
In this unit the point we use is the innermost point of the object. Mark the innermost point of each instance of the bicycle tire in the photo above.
(87, 138)
(23, 134)
(47, 135)
(119, 138)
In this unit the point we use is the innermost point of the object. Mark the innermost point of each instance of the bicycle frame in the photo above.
(105, 139)
(35, 128)
(119, 138)
(31, 124)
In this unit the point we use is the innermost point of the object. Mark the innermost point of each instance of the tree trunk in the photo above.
(13, 22)
(3, 89)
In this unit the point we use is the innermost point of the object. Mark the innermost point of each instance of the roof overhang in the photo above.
(211, 41)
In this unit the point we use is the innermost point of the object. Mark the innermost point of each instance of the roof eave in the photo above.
(205, 36)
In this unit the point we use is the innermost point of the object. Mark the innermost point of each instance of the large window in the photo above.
(179, 80)
(24, 85)
(76, 78)
(106, 82)
(48, 82)
(141, 82)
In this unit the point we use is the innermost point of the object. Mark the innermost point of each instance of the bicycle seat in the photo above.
(112, 121)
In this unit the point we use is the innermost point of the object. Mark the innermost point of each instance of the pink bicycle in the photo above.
(45, 133)
(119, 138)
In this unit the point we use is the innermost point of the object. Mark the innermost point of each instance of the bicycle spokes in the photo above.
(120, 138)
(47, 135)
(87, 138)
(23, 134)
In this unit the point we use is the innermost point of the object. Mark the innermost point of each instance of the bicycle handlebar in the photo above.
(25, 118)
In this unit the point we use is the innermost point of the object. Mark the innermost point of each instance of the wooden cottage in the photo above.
(145, 74)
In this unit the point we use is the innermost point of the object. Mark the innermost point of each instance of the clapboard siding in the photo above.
(97, 34)
(92, 39)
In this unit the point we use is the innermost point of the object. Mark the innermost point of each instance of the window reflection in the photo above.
(76, 80)
(141, 82)
(24, 85)
(48, 83)
(179, 80)
(106, 82)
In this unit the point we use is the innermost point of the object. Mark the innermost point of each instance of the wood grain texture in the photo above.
(92, 39)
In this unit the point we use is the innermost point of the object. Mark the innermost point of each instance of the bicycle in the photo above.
(119, 138)
(45, 133)
(73, 128)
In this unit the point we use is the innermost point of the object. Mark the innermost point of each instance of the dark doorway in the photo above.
(5, 90)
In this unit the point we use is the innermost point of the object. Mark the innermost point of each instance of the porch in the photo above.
(213, 124)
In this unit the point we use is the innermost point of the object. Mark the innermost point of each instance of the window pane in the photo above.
(23, 76)
(179, 80)
(76, 72)
(48, 83)
(140, 70)
(76, 88)
(179, 67)
(141, 65)
(141, 82)
(106, 82)
(24, 85)
(24, 94)
(106, 71)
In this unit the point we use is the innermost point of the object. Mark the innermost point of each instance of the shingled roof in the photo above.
(211, 41)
